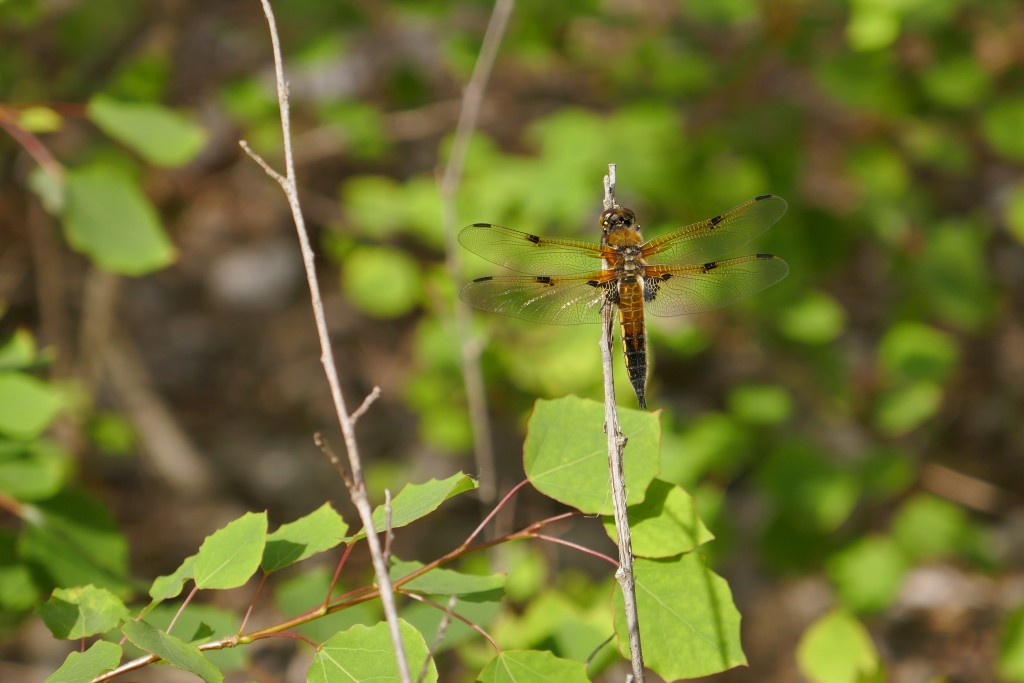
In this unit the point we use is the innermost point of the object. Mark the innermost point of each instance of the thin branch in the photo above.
(489, 517)
(389, 533)
(358, 489)
(616, 447)
(442, 629)
(476, 396)
(576, 546)
(365, 405)
(252, 603)
(476, 627)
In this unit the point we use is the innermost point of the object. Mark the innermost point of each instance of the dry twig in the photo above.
(476, 397)
(357, 491)
(616, 446)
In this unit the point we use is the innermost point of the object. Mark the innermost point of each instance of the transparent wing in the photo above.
(526, 253)
(710, 239)
(678, 290)
(555, 300)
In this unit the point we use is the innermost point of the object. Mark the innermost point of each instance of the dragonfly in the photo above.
(566, 282)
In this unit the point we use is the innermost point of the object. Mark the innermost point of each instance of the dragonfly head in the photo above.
(616, 218)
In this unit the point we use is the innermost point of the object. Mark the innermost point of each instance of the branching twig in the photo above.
(616, 446)
(476, 397)
(442, 628)
(358, 489)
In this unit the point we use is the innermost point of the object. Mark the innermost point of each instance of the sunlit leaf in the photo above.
(688, 623)
(815, 319)
(109, 219)
(27, 405)
(913, 350)
(1011, 647)
(73, 613)
(382, 281)
(905, 408)
(419, 500)
(230, 556)
(33, 470)
(160, 135)
(761, 403)
(1002, 123)
(365, 653)
(318, 531)
(531, 665)
(566, 453)
(868, 573)
(837, 649)
(102, 656)
(666, 523)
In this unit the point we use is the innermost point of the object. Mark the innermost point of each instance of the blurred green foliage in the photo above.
(894, 129)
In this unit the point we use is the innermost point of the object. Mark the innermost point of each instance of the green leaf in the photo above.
(73, 613)
(688, 623)
(764, 404)
(471, 587)
(1011, 647)
(167, 587)
(815, 319)
(318, 531)
(109, 219)
(954, 275)
(960, 82)
(27, 405)
(808, 487)
(837, 649)
(532, 666)
(1002, 123)
(230, 556)
(40, 120)
(160, 135)
(419, 500)
(566, 453)
(33, 470)
(18, 351)
(382, 281)
(872, 26)
(101, 657)
(172, 650)
(365, 653)
(196, 625)
(75, 541)
(665, 524)
(868, 573)
(928, 528)
(902, 410)
(18, 591)
(913, 350)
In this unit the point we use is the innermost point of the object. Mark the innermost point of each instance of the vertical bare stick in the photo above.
(476, 396)
(358, 489)
(616, 446)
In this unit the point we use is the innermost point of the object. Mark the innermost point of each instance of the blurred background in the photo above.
(854, 436)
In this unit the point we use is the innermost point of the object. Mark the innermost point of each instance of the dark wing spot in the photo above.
(481, 225)
(716, 220)
(593, 283)
(544, 280)
(765, 256)
(710, 266)
(484, 278)
(666, 276)
(533, 238)
(761, 197)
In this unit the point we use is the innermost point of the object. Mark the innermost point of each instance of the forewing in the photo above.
(678, 290)
(526, 253)
(710, 239)
(556, 300)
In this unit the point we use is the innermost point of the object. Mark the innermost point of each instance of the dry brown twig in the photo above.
(357, 490)
(616, 447)
(476, 397)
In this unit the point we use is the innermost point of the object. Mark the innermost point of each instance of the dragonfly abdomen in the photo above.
(634, 335)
